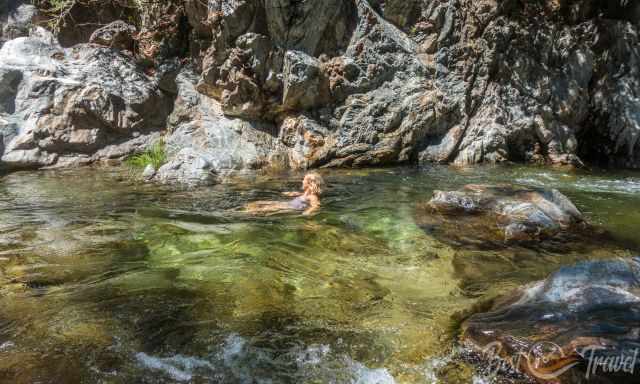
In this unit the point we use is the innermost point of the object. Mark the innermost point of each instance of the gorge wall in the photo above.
(235, 84)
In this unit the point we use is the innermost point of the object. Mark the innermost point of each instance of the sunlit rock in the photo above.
(205, 144)
(74, 106)
(568, 327)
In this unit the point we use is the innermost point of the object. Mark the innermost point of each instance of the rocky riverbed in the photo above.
(106, 278)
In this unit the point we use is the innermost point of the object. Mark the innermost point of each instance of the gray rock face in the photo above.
(477, 82)
(455, 91)
(361, 88)
(519, 95)
(349, 83)
(203, 144)
(521, 214)
(244, 66)
(74, 106)
(583, 311)
(611, 138)
(304, 84)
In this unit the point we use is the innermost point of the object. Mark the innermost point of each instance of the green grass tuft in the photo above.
(156, 156)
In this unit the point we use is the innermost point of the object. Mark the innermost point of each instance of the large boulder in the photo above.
(579, 325)
(74, 106)
(516, 213)
(204, 145)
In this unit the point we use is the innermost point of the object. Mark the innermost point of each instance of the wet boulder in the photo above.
(578, 325)
(516, 213)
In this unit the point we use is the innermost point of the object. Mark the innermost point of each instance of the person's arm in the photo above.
(314, 205)
(292, 194)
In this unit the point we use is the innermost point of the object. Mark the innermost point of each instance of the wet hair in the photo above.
(315, 183)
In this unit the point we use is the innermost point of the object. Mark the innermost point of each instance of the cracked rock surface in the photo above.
(358, 82)
(74, 106)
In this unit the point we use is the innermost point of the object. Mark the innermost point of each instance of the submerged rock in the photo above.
(573, 327)
(74, 106)
(518, 213)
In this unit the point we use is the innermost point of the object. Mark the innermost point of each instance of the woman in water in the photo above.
(307, 201)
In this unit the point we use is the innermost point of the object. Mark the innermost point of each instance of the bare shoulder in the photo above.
(314, 200)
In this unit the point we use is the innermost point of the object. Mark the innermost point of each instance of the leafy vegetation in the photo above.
(155, 156)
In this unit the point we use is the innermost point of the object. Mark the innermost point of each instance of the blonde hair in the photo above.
(315, 183)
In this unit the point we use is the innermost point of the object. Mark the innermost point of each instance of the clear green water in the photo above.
(105, 280)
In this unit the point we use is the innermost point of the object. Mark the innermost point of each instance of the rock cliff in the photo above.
(331, 83)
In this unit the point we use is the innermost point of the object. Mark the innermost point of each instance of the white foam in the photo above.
(7, 345)
(482, 380)
(314, 355)
(238, 358)
(365, 375)
(627, 185)
(178, 367)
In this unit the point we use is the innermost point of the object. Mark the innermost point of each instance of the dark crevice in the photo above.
(593, 145)
(577, 11)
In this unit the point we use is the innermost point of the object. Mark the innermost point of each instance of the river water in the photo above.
(105, 279)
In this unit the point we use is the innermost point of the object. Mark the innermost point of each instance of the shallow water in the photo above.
(103, 279)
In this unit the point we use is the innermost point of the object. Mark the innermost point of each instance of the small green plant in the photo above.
(155, 156)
